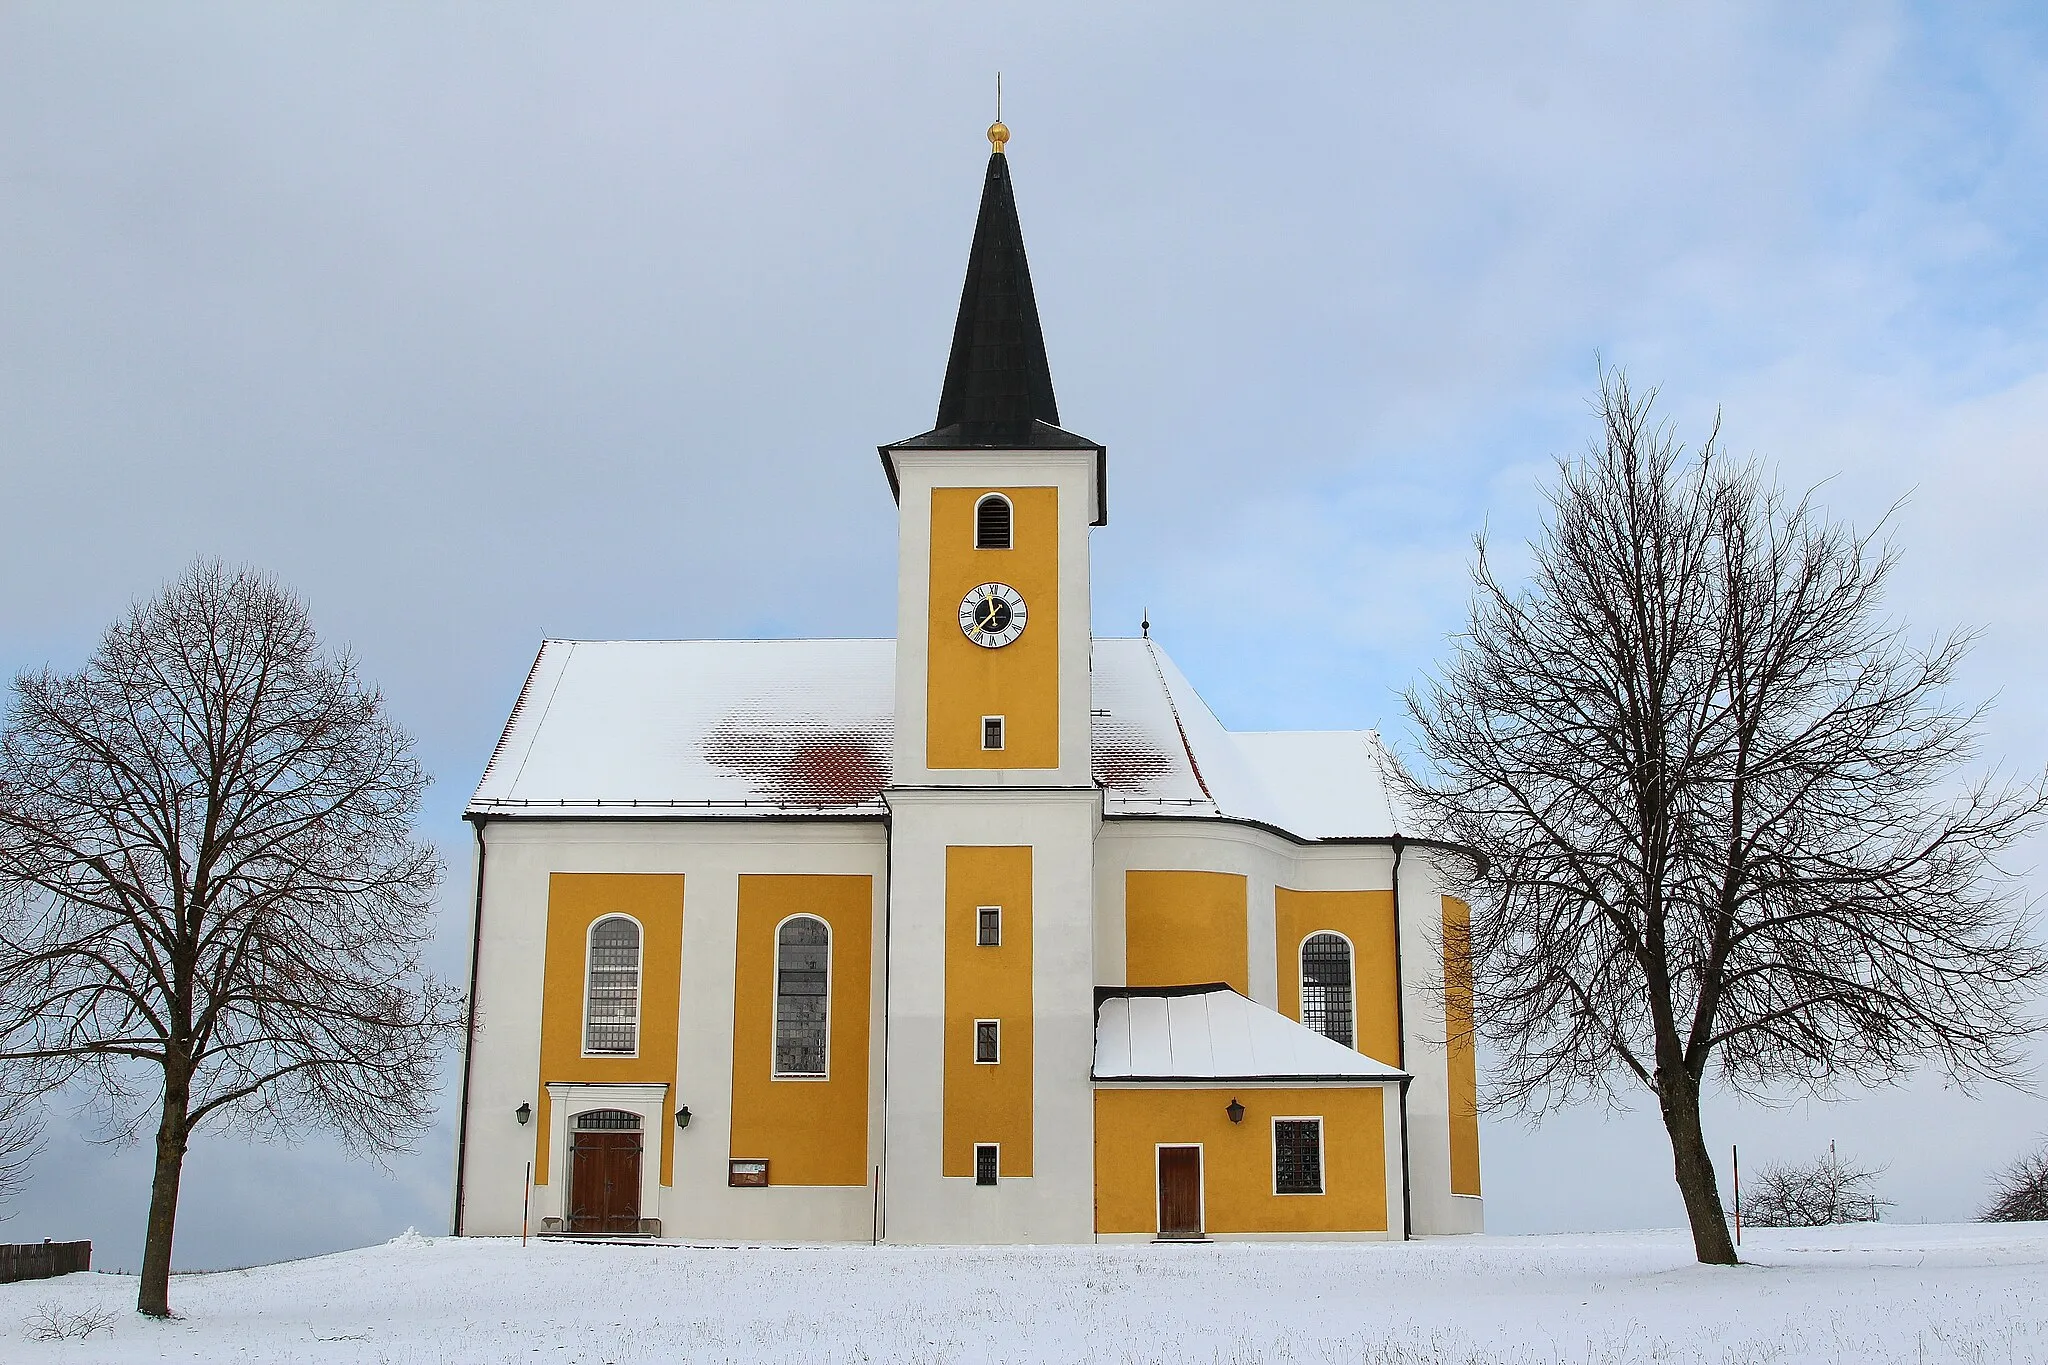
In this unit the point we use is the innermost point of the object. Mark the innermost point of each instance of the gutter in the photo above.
(1401, 1057)
(476, 940)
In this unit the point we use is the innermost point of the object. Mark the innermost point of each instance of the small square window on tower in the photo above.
(988, 1049)
(988, 926)
(991, 732)
(985, 1157)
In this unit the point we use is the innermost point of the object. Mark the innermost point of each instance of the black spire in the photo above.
(998, 390)
(997, 381)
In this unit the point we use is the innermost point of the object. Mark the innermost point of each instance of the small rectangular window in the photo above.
(1297, 1156)
(985, 1154)
(988, 926)
(991, 732)
(747, 1174)
(987, 1041)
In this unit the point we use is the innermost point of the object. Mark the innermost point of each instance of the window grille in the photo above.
(988, 928)
(607, 1120)
(1298, 1156)
(992, 522)
(987, 1040)
(991, 732)
(802, 1002)
(612, 1020)
(985, 1154)
(1326, 988)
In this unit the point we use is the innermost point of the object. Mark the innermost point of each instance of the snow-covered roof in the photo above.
(738, 727)
(1201, 1033)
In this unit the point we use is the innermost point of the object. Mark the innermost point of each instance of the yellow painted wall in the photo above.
(1185, 928)
(812, 1132)
(1237, 1159)
(576, 900)
(1462, 1059)
(1367, 919)
(986, 1103)
(1020, 681)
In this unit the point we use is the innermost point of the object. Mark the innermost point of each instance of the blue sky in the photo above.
(477, 323)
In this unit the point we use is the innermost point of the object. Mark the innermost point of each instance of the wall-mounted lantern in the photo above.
(523, 1113)
(683, 1117)
(1235, 1110)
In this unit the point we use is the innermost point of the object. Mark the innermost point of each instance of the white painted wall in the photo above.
(710, 855)
(1057, 1202)
(918, 472)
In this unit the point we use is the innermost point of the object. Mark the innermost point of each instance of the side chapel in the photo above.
(987, 933)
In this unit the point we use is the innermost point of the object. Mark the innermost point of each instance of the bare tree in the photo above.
(1814, 1194)
(2019, 1193)
(1716, 791)
(214, 900)
(21, 1129)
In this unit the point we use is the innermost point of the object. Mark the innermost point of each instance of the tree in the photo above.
(2019, 1193)
(21, 1129)
(1716, 792)
(211, 885)
(1814, 1194)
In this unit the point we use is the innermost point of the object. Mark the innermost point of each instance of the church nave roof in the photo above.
(765, 727)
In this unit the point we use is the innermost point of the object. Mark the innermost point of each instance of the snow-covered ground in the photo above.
(1871, 1294)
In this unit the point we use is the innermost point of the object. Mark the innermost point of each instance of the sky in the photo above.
(479, 323)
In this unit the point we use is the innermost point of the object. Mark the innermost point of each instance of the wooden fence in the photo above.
(41, 1260)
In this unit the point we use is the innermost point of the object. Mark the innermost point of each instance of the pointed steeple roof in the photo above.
(998, 390)
(998, 384)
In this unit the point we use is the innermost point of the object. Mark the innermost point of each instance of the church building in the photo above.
(987, 933)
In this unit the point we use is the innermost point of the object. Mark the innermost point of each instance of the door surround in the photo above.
(1201, 1229)
(567, 1098)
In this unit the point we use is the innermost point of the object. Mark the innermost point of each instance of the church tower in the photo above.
(993, 808)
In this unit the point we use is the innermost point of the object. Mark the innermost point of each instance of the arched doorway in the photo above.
(604, 1173)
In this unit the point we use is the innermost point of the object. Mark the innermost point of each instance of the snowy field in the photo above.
(1871, 1294)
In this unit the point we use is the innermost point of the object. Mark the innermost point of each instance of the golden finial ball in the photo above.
(998, 135)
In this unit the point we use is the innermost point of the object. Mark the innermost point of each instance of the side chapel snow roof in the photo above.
(1200, 1033)
(763, 727)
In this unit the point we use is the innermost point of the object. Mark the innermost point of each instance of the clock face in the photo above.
(992, 615)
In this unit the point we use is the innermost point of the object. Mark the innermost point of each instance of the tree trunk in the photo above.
(155, 1296)
(1678, 1096)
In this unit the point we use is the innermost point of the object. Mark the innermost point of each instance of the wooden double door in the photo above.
(1180, 1193)
(604, 1182)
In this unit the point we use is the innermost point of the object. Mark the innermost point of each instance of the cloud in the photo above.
(588, 322)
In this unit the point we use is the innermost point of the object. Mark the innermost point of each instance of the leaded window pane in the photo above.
(612, 1019)
(802, 996)
(1297, 1156)
(1326, 993)
(986, 1040)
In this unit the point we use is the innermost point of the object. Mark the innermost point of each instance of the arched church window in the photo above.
(1326, 987)
(992, 522)
(803, 971)
(611, 1011)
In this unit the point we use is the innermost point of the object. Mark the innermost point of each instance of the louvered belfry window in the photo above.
(1326, 988)
(803, 951)
(1297, 1156)
(612, 1014)
(992, 522)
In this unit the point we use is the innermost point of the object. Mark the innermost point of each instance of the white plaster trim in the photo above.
(648, 1100)
(1201, 1189)
(775, 998)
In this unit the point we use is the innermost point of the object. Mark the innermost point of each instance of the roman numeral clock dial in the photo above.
(992, 615)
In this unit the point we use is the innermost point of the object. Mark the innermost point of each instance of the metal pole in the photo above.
(1735, 1156)
(525, 1203)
